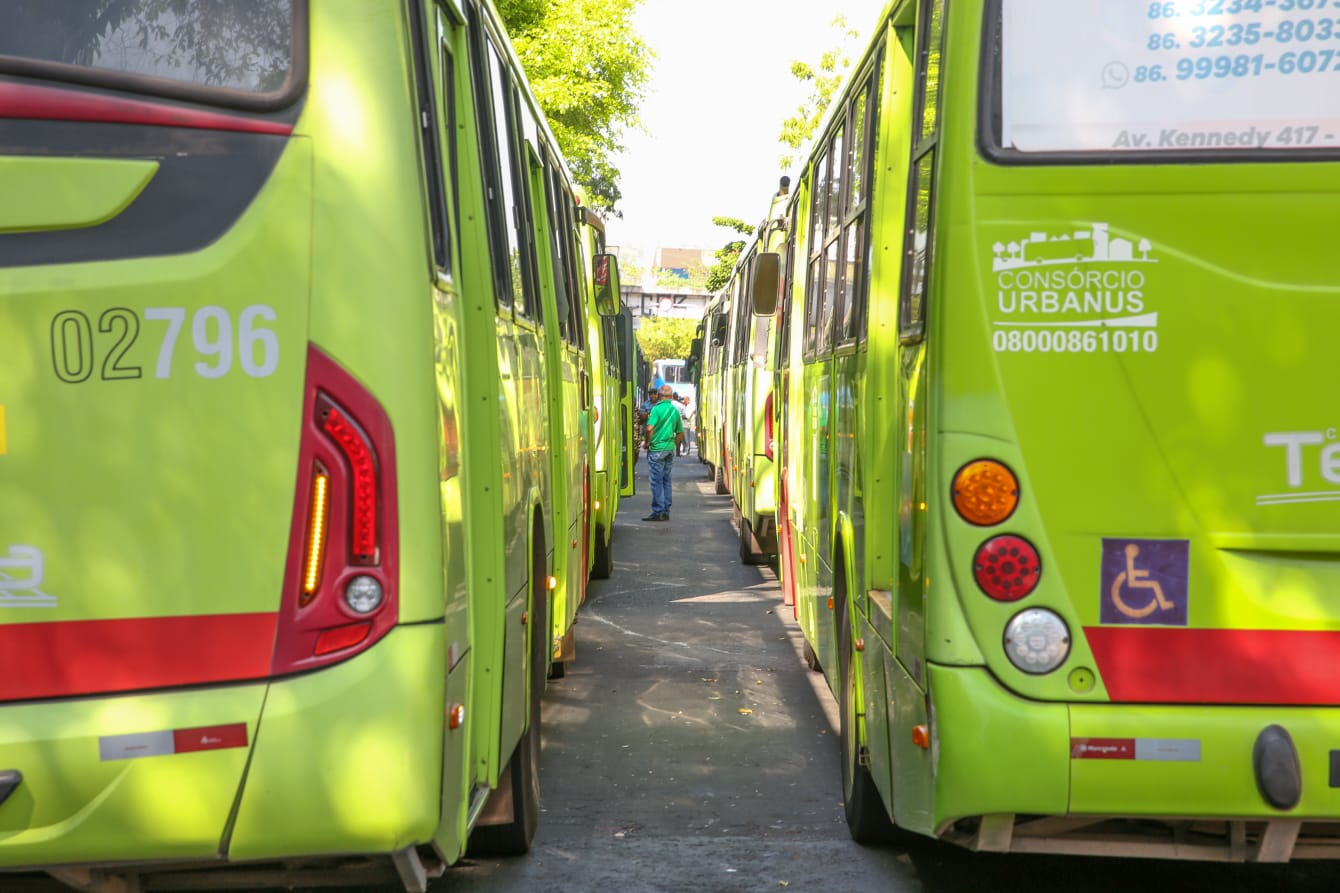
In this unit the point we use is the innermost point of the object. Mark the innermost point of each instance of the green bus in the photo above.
(291, 438)
(605, 382)
(710, 431)
(627, 356)
(1059, 514)
(749, 422)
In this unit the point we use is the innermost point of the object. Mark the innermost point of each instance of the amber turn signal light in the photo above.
(985, 492)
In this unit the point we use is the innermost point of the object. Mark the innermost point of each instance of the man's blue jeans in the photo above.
(658, 464)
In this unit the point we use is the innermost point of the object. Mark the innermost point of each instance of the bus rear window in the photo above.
(244, 48)
(1223, 76)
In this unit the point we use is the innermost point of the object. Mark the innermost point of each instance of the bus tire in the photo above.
(720, 478)
(520, 778)
(811, 658)
(750, 553)
(867, 819)
(602, 558)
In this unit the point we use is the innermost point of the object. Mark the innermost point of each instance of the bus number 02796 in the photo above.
(74, 346)
(1071, 341)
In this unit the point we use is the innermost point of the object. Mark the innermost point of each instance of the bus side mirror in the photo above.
(766, 279)
(605, 274)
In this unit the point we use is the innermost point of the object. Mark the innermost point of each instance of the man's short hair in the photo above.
(667, 391)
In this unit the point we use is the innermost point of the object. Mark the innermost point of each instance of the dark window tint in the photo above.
(243, 45)
(505, 203)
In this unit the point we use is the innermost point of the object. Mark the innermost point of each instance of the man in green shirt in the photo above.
(665, 430)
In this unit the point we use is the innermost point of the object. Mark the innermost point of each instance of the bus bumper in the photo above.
(1146, 780)
(345, 759)
(349, 759)
(124, 779)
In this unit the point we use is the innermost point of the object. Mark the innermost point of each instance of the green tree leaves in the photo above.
(728, 254)
(665, 337)
(588, 68)
(824, 82)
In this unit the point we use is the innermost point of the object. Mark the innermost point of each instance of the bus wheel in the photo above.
(567, 652)
(602, 559)
(867, 819)
(720, 478)
(519, 781)
(811, 658)
(750, 553)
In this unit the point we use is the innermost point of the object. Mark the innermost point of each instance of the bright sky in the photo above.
(721, 85)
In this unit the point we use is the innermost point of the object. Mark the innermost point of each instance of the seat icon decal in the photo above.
(1145, 581)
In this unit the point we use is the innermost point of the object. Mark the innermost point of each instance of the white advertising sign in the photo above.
(1177, 75)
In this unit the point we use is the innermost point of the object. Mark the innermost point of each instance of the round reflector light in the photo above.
(985, 492)
(1007, 568)
(1037, 641)
(363, 595)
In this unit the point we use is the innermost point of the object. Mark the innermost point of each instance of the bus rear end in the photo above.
(1139, 460)
(199, 532)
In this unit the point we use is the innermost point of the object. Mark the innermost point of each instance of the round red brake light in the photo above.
(1007, 568)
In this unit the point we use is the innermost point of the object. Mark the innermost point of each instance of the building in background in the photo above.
(671, 282)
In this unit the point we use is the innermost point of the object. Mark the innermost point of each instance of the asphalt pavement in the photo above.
(688, 747)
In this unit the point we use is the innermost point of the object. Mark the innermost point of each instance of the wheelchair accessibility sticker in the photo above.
(1145, 581)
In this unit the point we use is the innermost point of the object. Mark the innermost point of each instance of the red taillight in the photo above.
(767, 427)
(363, 467)
(1007, 568)
(345, 523)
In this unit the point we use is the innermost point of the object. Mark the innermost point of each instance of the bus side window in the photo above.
(435, 88)
(855, 212)
(784, 308)
(815, 280)
(917, 249)
(512, 263)
(833, 273)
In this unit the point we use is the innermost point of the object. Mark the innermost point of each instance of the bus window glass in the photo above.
(817, 206)
(448, 87)
(559, 246)
(506, 199)
(918, 250)
(930, 66)
(243, 45)
(784, 332)
(853, 245)
(830, 295)
(834, 183)
(855, 193)
(813, 299)
(1094, 76)
(740, 308)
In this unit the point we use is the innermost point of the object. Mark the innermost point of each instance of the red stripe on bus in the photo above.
(1162, 665)
(89, 657)
(47, 103)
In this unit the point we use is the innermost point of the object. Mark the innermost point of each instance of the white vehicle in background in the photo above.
(676, 374)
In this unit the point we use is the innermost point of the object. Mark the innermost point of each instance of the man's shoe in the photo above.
(652, 517)
(663, 516)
